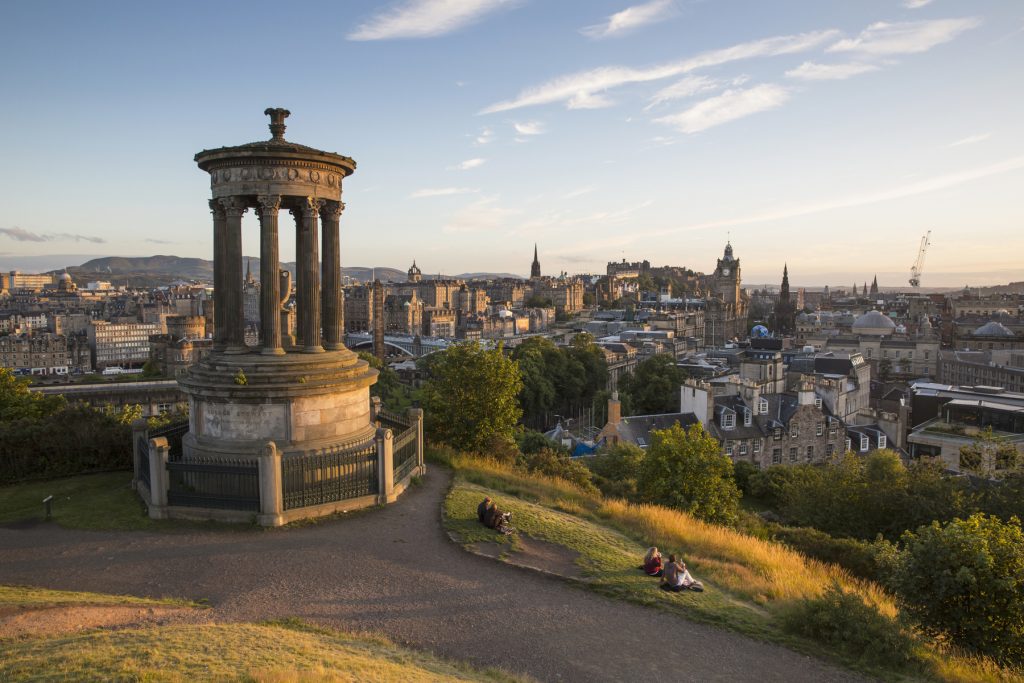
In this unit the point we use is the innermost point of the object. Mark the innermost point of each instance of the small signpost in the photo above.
(48, 506)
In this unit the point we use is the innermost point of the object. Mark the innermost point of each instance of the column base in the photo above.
(236, 350)
(334, 346)
(270, 351)
(313, 349)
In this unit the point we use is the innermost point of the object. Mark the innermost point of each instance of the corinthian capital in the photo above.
(234, 206)
(268, 203)
(216, 209)
(332, 210)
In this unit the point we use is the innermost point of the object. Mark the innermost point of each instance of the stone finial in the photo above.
(277, 116)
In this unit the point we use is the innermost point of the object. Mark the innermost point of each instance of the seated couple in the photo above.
(674, 574)
(490, 516)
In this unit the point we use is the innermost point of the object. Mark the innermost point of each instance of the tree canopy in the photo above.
(686, 470)
(653, 388)
(558, 380)
(472, 396)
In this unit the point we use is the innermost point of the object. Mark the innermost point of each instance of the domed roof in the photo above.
(874, 322)
(993, 329)
(65, 277)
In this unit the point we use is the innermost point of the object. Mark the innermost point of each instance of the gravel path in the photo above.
(393, 571)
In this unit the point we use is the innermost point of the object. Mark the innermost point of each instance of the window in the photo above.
(763, 406)
(728, 419)
(926, 355)
(746, 417)
(757, 445)
(810, 453)
(794, 431)
(792, 454)
(817, 402)
(830, 450)
(743, 447)
(777, 434)
(819, 429)
(776, 456)
(882, 440)
(865, 443)
(849, 445)
(831, 433)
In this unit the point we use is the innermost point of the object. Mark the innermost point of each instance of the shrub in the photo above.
(553, 464)
(865, 559)
(616, 470)
(965, 580)
(742, 471)
(845, 622)
(773, 485)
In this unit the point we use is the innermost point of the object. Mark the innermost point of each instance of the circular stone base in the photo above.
(302, 402)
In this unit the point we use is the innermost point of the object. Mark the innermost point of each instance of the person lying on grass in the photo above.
(652, 562)
(676, 577)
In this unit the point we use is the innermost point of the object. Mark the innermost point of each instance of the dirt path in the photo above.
(393, 571)
(20, 622)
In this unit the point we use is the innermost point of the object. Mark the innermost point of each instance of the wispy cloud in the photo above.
(440, 192)
(578, 193)
(916, 4)
(925, 186)
(629, 19)
(900, 38)
(971, 139)
(529, 127)
(23, 235)
(153, 240)
(585, 89)
(469, 163)
(426, 18)
(485, 137)
(812, 71)
(729, 106)
(687, 87)
(484, 214)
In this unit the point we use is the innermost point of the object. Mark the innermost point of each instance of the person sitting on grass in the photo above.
(652, 562)
(482, 508)
(676, 577)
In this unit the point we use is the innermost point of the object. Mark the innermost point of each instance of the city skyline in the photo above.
(827, 138)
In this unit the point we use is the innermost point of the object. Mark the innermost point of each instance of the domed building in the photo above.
(874, 323)
(993, 329)
(65, 284)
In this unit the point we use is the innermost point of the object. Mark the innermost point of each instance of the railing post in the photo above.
(374, 408)
(416, 415)
(386, 465)
(139, 429)
(271, 495)
(158, 479)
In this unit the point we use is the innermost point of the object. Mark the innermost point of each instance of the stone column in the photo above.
(386, 466)
(332, 306)
(416, 414)
(233, 314)
(219, 263)
(159, 450)
(270, 279)
(140, 448)
(271, 504)
(308, 285)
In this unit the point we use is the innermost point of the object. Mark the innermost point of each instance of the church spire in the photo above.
(784, 292)
(535, 266)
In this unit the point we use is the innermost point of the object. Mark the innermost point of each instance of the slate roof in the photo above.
(637, 429)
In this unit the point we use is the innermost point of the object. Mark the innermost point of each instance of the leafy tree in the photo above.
(471, 396)
(686, 470)
(395, 395)
(558, 380)
(530, 441)
(150, 369)
(17, 402)
(1004, 498)
(556, 464)
(617, 469)
(965, 580)
(653, 387)
(884, 370)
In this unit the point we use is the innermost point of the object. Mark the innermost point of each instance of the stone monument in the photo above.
(306, 393)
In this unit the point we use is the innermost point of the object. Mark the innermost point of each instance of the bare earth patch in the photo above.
(22, 622)
(533, 553)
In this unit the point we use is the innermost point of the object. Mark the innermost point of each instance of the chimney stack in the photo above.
(614, 409)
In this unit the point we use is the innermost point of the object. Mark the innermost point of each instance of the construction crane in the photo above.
(918, 267)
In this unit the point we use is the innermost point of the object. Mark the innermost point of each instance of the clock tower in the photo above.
(726, 280)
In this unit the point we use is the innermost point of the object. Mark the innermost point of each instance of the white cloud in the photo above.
(470, 163)
(529, 127)
(630, 18)
(578, 192)
(440, 192)
(901, 38)
(812, 71)
(687, 87)
(927, 185)
(971, 139)
(425, 18)
(916, 4)
(729, 106)
(485, 137)
(582, 90)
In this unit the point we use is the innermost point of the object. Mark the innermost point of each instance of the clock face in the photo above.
(725, 271)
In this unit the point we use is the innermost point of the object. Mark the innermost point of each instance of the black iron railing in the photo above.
(142, 460)
(173, 433)
(330, 476)
(393, 421)
(221, 484)
(404, 453)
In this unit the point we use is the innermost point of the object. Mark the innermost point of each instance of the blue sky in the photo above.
(829, 135)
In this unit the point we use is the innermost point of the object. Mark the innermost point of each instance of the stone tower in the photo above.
(415, 274)
(535, 266)
(307, 395)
